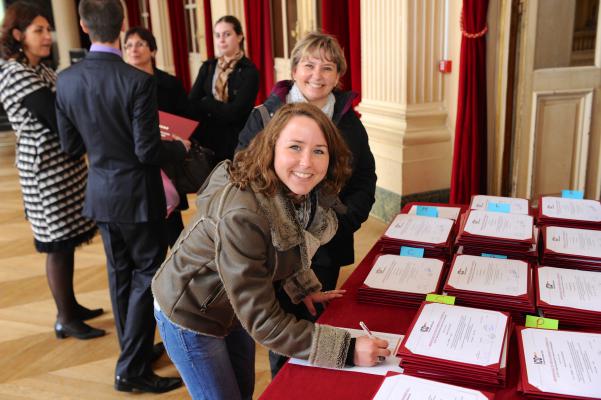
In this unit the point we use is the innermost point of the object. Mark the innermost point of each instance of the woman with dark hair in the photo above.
(53, 184)
(140, 49)
(259, 221)
(225, 90)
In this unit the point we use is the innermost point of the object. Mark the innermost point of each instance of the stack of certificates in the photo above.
(559, 364)
(572, 213)
(439, 210)
(498, 234)
(510, 205)
(571, 248)
(410, 387)
(573, 297)
(432, 236)
(459, 345)
(492, 283)
(401, 281)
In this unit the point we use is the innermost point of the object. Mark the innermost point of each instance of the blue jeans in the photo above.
(212, 368)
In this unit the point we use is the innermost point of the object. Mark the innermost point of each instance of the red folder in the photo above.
(524, 303)
(526, 388)
(170, 124)
(567, 316)
(454, 372)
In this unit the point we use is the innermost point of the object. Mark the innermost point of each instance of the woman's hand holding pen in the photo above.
(321, 297)
(370, 351)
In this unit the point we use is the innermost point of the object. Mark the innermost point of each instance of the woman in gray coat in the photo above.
(259, 222)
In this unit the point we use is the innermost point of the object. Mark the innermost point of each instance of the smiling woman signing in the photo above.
(260, 219)
(317, 63)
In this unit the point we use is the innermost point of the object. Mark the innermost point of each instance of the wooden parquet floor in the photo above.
(36, 365)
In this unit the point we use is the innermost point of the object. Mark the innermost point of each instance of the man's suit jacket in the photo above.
(109, 109)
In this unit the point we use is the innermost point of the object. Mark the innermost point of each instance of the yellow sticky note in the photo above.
(534, 321)
(440, 298)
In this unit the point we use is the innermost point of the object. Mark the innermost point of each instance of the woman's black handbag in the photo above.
(189, 175)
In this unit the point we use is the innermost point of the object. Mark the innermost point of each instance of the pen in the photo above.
(366, 330)
(371, 336)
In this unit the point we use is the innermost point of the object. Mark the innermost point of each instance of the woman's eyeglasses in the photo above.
(137, 45)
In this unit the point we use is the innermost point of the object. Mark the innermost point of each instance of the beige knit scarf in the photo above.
(223, 71)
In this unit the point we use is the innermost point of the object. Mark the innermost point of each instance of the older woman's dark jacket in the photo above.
(359, 192)
(220, 123)
(171, 95)
(172, 98)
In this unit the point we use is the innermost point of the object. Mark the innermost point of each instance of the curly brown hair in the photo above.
(18, 16)
(253, 167)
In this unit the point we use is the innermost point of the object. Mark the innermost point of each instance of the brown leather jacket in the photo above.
(223, 267)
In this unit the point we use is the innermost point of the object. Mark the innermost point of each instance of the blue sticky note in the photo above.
(490, 255)
(572, 194)
(427, 211)
(498, 207)
(412, 251)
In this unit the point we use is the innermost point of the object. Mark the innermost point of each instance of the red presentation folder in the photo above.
(595, 223)
(568, 316)
(171, 124)
(455, 372)
(488, 395)
(552, 258)
(431, 250)
(519, 249)
(369, 295)
(529, 391)
(524, 303)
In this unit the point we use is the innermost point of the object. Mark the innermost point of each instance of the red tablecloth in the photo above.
(297, 382)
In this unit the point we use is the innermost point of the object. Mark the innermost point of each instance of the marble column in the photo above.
(404, 103)
(66, 24)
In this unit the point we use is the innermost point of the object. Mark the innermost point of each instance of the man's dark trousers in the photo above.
(134, 251)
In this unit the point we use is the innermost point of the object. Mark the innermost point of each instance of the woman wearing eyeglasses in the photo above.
(140, 49)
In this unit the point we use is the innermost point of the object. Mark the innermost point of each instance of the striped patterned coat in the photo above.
(53, 184)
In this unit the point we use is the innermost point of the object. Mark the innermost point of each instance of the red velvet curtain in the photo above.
(468, 175)
(341, 18)
(258, 36)
(208, 29)
(133, 13)
(179, 41)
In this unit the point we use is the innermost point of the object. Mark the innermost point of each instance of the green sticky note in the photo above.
(534, 321)
(440, 298)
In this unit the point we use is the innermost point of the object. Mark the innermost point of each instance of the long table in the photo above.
(298, 382)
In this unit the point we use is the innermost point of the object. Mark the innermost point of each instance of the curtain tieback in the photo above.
(472, 35)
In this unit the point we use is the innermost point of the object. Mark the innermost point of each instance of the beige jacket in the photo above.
(223, 267)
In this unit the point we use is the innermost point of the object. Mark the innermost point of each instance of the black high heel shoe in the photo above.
(77, 329)
(84, 313)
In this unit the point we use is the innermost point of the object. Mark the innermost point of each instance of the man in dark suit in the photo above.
(109, 109)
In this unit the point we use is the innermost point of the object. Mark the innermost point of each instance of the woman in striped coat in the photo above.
(52, 183)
